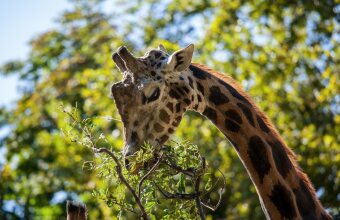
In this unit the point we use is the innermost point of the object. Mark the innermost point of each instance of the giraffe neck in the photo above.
(285, 191)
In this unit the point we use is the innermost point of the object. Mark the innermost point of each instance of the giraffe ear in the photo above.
(181, 59)
(162, 48)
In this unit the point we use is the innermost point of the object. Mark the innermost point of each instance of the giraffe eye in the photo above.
(154, 96)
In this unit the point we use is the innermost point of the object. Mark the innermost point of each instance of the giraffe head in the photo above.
(152, 96)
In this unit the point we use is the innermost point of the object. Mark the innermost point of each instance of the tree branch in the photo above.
(183, 196)
(197, 191)
(124, 181)
(214, 207)
(189, 172)
(149, 173)
(194, 173)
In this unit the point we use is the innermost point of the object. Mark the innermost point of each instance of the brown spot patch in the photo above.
(233, 91)
(180, 91)
(199, 73)
(200, 88)
(282, 199)
(262, 124)
(211, 114)
(178, 107)
(177, 121)
(187, 101)
(163, 115)
(258, 155)
(246, 111)
(170, 106)
(174, 94)
(231, 125)
(163, 139)
(236, 146)
(199, 98)
(150, 136)
(232, 114)
(305, 202)
(216, 96)
(158, 128)
(191, 83)
(282, 162)
(186, 89)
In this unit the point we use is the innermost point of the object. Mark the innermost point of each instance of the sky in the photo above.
(20, 21)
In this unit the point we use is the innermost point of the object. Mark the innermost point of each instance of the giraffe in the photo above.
(158, 88)
(76, 211)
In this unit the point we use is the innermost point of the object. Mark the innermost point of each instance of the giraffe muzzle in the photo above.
(127, 153)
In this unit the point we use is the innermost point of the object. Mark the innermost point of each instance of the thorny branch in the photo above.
(197, 174)
(197, 190)
(149, 173)
(214, 207)
(184, 196)
(122, 178)
(191, 172)
(118, 167)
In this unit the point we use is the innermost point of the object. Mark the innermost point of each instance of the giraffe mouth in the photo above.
(129, 157)
(127, 164)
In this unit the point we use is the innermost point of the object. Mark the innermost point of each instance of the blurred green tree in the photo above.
(285, 54)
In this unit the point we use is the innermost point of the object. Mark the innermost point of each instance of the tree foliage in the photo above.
(175, 176)
(284, 53)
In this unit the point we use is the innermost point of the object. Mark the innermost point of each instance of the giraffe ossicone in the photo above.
(158, 88)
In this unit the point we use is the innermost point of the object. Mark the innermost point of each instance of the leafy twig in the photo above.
(184, 196)
(194, 173)
(197, 190)
(149, 173)
(189, 172)
(213, 208)
(118, 167)
(124, 181)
